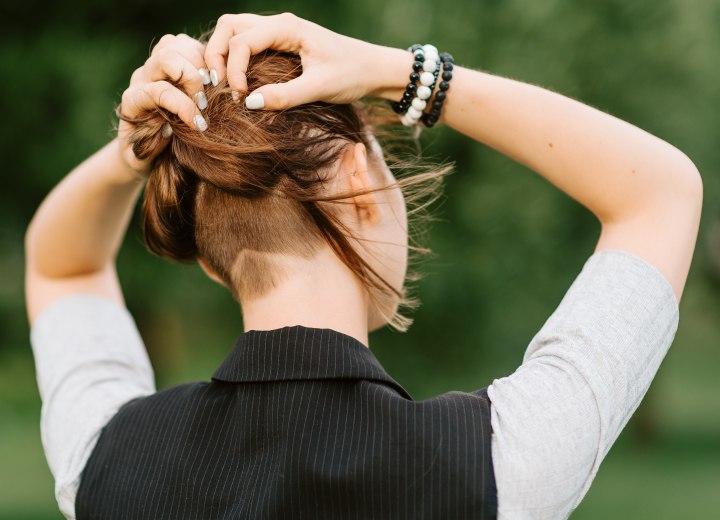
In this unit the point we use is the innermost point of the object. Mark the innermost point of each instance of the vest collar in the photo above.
(301, 353)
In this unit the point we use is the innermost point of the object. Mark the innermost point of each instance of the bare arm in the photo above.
(74, 237)
(646, 194)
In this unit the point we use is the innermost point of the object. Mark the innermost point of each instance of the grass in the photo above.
(676, 477)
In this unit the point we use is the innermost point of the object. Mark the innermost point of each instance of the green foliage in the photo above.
(508, 244)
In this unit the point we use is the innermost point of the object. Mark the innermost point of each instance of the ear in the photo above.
(209, 271)
(358, 179)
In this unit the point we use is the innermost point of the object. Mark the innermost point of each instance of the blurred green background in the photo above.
(508, 244)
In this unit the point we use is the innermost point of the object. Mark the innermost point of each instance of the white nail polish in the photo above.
(201, 100)
(200, 123)
(205, 76)
(255, 101)
(214, 77)
(235, 96)
(167, 130)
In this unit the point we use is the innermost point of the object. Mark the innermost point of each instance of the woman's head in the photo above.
(260, 187)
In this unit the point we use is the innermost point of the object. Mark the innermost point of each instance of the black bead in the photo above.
(407, 95)
(447, 75)
(419, 56)
(411, 87)
(447, 66)
(439, 96)
(444, 85)
(414, 76)
(446, 56)
(429, 121)
(417, 66)
(396, 107)
(437, 103)
(435, 112)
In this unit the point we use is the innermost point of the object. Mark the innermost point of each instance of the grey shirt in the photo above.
(554, 419)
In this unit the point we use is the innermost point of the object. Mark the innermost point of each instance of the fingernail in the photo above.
(235, 96)
(214, 77)
(255, 101)
(200, 123)
(167, 130)
(201, 100)
(205, 76)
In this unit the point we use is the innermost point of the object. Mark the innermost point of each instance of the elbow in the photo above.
(669, 183)
(687, 189)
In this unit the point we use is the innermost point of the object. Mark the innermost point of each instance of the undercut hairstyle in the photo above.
(254, 185)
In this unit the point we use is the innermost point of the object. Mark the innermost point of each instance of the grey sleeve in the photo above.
(90, 360)
(583, 375)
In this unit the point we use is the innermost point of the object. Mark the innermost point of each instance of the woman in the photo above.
(273, 181)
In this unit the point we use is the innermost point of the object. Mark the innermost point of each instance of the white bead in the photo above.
(428, 48)
(430, 66)
(407, 121)
(427, 79)
(414, 113)
(424, 92)
(419, 104)
(432, 56)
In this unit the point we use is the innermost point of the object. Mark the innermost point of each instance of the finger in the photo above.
(189, 47)
(192, 50)
(279, 32)
(141, 98)
(253, 41)
(280, 96)
(195, 49)
(168, 64)
(227, 26)
(186, 47)
(166, 39)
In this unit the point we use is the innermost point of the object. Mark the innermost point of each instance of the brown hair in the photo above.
(252, 184)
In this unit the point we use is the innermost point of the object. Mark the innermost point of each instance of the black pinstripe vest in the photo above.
(296, 423)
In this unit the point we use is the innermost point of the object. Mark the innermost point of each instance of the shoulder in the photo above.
(176, 402)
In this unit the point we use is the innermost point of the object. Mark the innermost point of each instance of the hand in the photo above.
(336, 68)
(175, 60)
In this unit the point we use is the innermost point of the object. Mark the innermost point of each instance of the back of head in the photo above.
(253, 185)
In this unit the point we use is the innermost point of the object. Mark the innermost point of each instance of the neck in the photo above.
(320, 292)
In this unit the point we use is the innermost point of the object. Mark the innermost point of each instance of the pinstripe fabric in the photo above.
(296, 423)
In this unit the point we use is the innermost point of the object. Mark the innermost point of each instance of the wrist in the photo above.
(128, 171)
(392, 76)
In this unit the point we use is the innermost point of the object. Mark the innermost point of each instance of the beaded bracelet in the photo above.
(429, 119)
(426, 61)
(402, 106)
(426, 70)
(427, 56)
